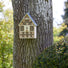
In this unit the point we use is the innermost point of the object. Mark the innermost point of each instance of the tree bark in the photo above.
(26, 50)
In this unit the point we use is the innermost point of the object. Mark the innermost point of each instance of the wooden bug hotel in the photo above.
(27, 27)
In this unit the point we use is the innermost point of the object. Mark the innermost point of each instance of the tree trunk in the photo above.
(26, 50)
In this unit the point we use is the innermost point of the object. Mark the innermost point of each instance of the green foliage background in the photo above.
(6, 37)
(55, 56)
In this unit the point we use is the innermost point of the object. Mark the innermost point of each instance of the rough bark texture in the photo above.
(26, 50)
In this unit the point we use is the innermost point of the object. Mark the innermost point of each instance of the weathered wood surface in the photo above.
(26, 50)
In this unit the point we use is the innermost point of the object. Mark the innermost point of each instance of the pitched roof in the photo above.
(30, 18)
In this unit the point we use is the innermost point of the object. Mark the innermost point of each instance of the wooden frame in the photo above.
(27, 32)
